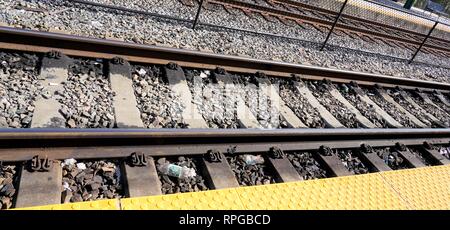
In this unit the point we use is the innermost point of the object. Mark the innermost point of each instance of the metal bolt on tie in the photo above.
(138, 159)
(39, 164)
(276, 152)
(118, 61)
(54, 54)
(213, 155)
(366, 148)
(325, 150)
(173, 66)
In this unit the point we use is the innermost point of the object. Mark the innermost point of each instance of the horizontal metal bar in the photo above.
(41, 134)
(89, 152)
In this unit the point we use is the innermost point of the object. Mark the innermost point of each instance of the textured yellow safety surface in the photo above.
(387, 190)
(113, 204)
(354, 192)
(422, 188)
(225, 199)
(425, 188)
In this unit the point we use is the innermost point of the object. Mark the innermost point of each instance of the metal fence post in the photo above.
(334, 24)
(423, 42)
(197, 15)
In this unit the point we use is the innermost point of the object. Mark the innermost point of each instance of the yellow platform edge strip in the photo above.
(111, 204)
(421, 188)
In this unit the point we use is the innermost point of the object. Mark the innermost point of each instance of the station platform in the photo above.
(410, 189)
(423, 20)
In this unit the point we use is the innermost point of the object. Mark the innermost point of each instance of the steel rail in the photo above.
(83, 144)
(35, 41)
(43, 133)
(40, 173)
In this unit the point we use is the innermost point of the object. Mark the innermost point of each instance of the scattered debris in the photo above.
(90, 180)
(176, 171)
(306, 165)
(351, 162)
(179, 175)
(391, 158)
(8, 179)
(252, 159)
(444, 151)
(250, 174)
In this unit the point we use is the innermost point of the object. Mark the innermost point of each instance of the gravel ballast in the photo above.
(422, 157)
(439, 103)
(159, 106)
(8, 185)
(439, 113)
(215, 14)
(418, 113)
(320, 90)
(351, 161)
(171, 184)
(248, 174)
(391, 158)
(91, 180)
(306, 165)
(259, 103)
(368, 111)
(395, 113)
(309, 115)
(19, 89)
(87, 96)
(235, 18)
(217, 106)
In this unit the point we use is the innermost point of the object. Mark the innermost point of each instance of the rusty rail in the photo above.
(108, 143)
(134, 151)
(34, 41)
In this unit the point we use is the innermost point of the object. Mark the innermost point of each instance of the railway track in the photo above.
(195, 89)
(76, 82)
(352, 26)
(56, 166)
(319, 19)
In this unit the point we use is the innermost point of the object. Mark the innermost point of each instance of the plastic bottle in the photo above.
(252, 160)
(444, 151)
(177, 171)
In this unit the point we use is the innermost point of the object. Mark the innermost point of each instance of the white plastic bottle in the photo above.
(177, 171)
(253, 160)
